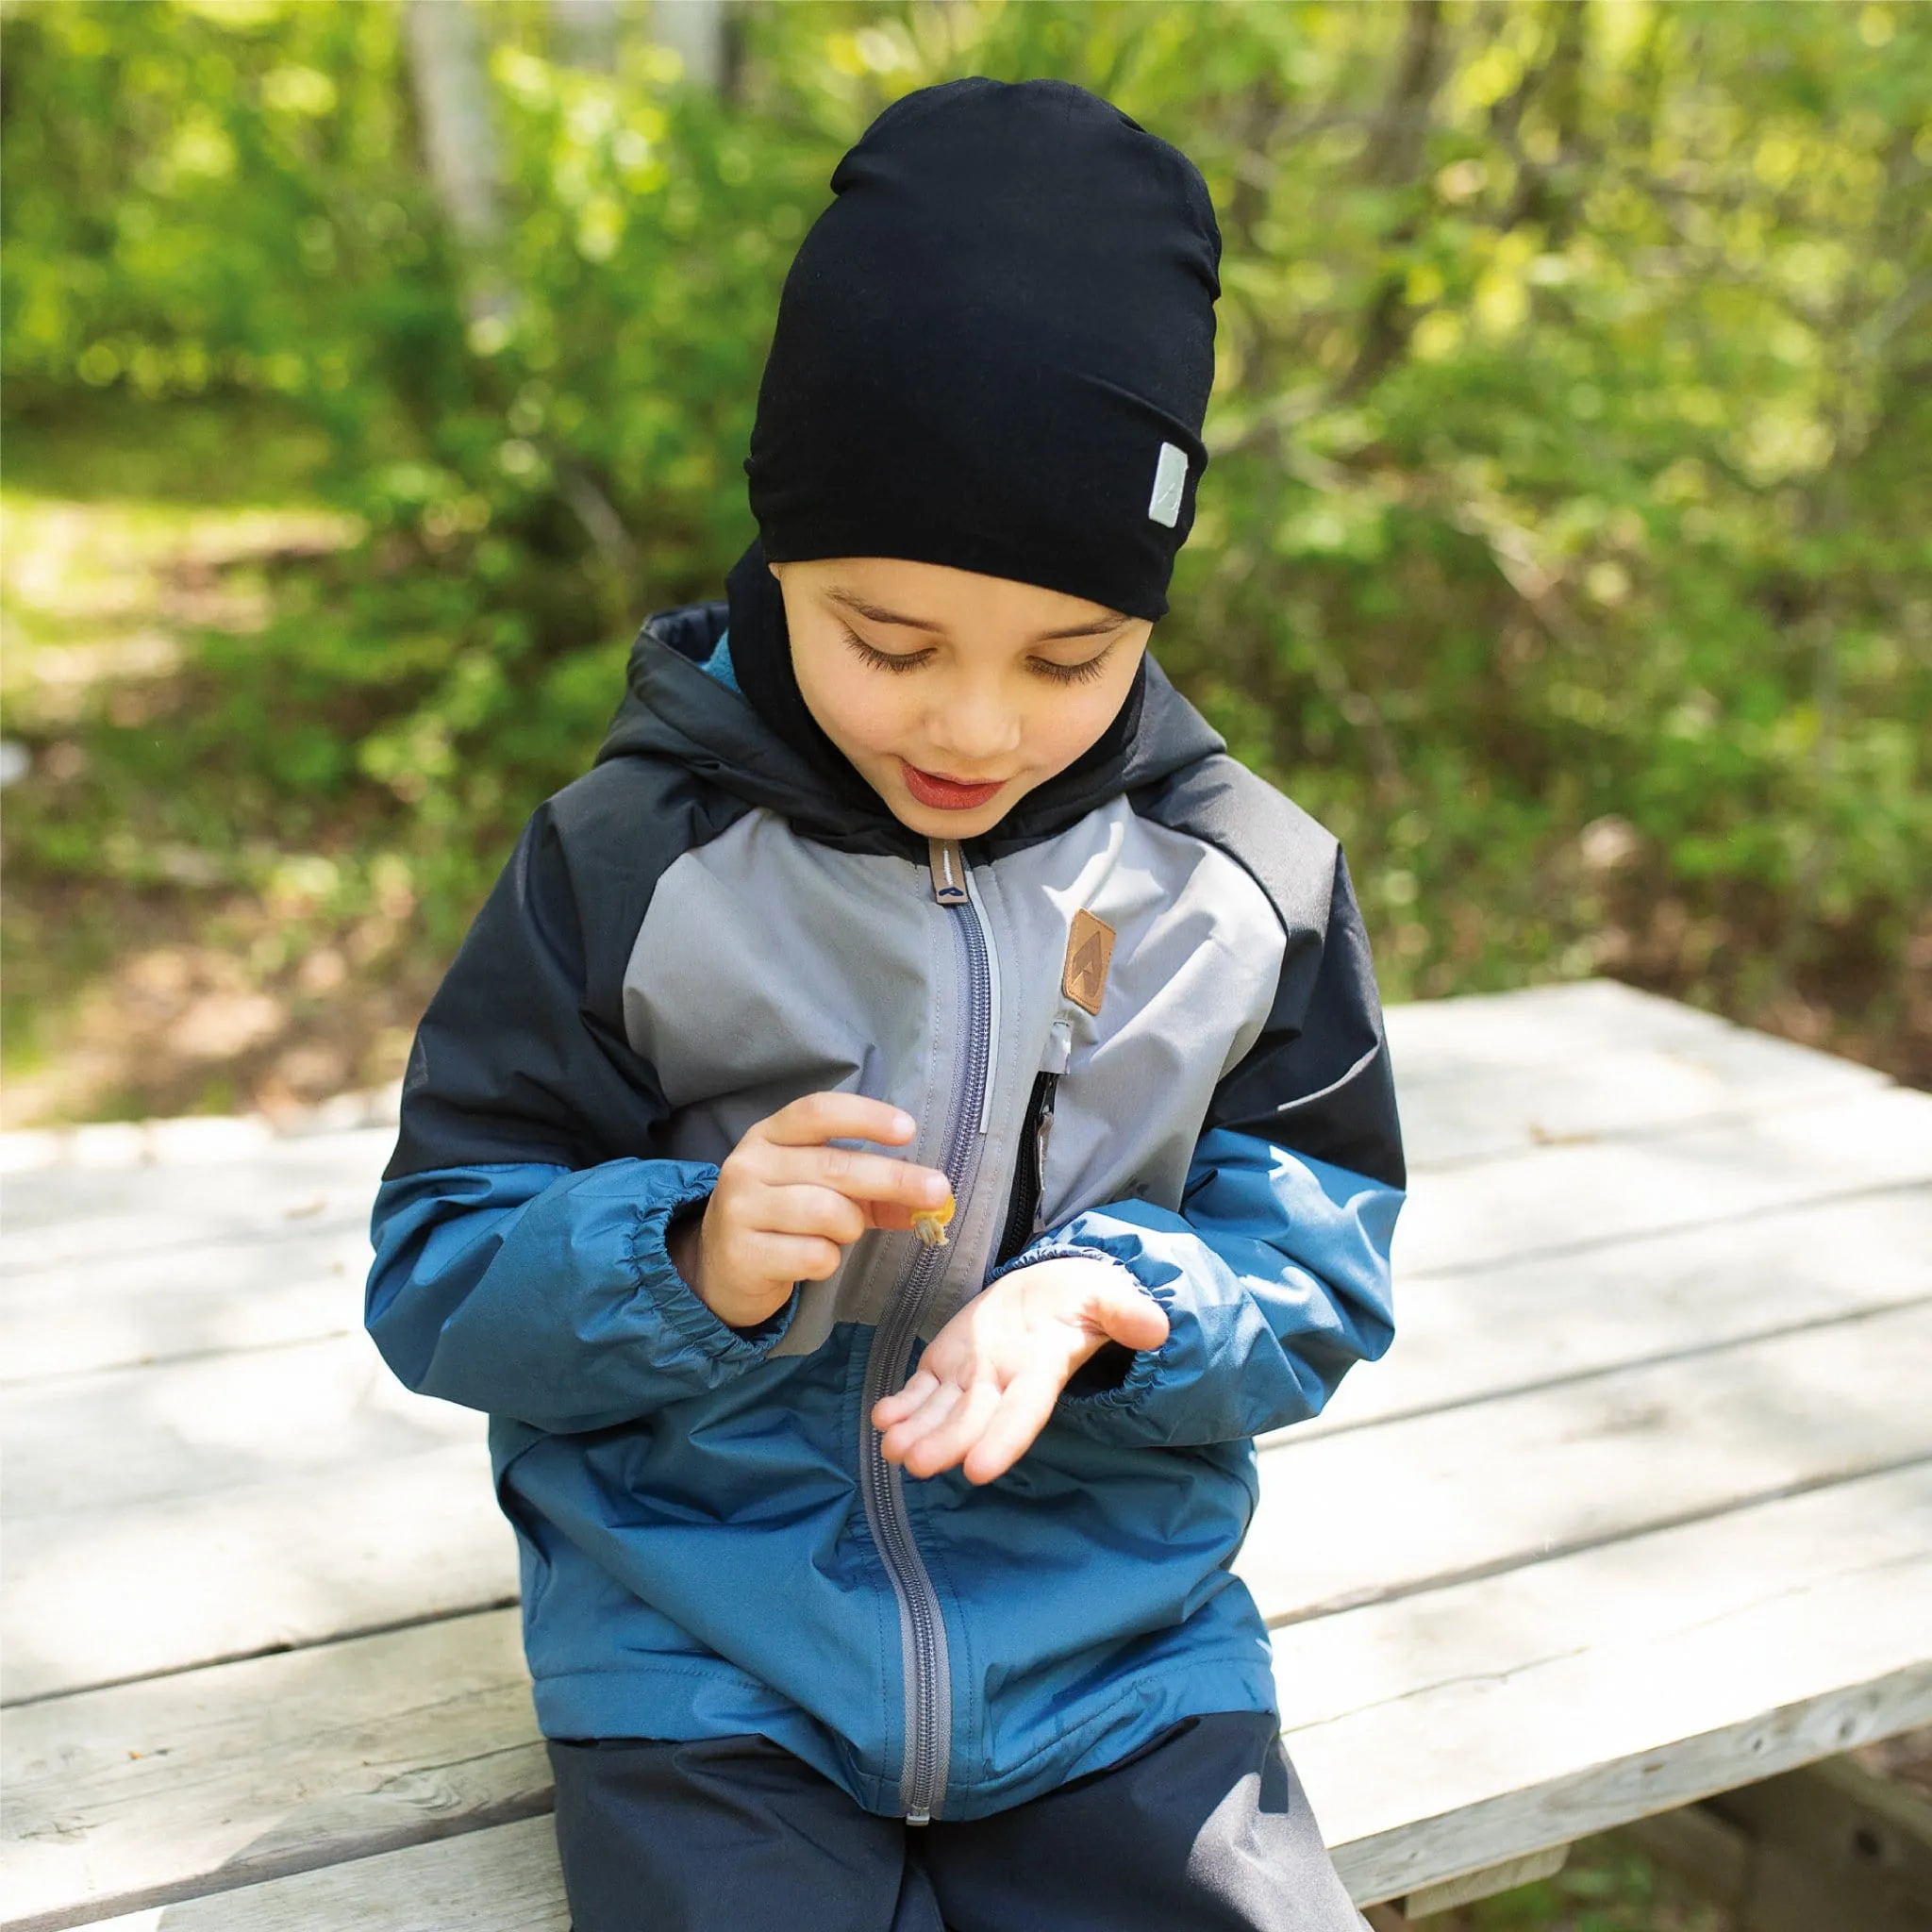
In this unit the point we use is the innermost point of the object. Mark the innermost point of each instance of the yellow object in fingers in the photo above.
(929, 1223)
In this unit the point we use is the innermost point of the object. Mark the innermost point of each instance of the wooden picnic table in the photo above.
(1639, 1508)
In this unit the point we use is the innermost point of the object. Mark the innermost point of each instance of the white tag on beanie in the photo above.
(1169, 479)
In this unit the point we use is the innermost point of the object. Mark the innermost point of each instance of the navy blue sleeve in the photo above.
(520, 1232)
(1275, 1280)
(547, 1296)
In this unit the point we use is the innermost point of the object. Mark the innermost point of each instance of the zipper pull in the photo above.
(1060, 1048)
(948, 865)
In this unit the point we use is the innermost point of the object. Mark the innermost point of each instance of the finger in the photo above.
(930, 1414)
(857, 1176)
(808, 1211)
(941, 1447)
(1133, 1319)
(1023, 1413)
(769, 1256)
(889, 1410)
(816, 1118)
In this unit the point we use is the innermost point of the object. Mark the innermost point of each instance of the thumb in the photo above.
(1130, 1316)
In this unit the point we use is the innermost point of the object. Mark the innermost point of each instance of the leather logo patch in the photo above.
(1089, 953)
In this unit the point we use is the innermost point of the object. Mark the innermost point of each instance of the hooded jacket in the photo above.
(1138, 1020)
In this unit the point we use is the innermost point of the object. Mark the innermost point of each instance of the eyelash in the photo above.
(1054, 673)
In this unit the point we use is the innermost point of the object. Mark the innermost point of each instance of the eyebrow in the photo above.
(1097, 628)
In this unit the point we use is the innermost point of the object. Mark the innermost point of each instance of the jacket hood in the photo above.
(675, 709)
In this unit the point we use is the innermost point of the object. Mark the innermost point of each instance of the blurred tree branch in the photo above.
(452, 90)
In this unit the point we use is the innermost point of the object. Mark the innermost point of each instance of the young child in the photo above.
(877, 1575)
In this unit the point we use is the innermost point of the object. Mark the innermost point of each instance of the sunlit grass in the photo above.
(135, 974)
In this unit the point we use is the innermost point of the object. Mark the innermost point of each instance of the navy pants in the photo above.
(1206, 1828)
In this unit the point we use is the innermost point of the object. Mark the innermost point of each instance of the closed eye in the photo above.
(885, 660)
(1083, 672)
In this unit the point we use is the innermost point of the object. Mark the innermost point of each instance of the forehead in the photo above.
(945, 601)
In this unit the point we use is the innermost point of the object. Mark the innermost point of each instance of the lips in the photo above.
(946, 794)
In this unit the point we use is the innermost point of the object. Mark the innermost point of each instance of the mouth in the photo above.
(947, 794)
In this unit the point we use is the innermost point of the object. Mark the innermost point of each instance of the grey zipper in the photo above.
(922, 1626)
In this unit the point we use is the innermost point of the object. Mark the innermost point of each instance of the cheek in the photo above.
(1063, 727)
(858, 712)
(874, 716)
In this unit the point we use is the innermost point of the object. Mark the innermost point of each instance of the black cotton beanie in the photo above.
(993, 350)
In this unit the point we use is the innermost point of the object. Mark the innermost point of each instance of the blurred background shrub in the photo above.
(1565, 544)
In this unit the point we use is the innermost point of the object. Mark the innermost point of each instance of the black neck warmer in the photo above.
(761, 645)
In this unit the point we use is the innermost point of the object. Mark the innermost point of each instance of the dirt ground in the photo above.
(142, 981)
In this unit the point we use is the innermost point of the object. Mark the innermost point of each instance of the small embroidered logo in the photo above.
(1090, 954)
(1169, 479)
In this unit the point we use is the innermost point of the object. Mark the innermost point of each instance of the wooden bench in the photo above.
(1639, 1508)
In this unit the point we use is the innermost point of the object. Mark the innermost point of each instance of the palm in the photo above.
(988, 1383)
(1019, 1326)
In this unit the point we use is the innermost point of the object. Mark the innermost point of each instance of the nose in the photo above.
(973, 726)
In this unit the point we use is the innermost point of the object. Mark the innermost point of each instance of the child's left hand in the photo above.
(986, 1386)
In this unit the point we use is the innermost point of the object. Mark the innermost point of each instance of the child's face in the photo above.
(954, 695)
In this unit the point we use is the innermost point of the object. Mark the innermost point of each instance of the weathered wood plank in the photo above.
(1477, 1077)
(1829, 1845)
(1528, 1324)
(1457, 1107)
(126, 1311)
(1460, 1336)
(225, 1237)
(1473, 1773)
(191, 1139)
(104, 1442)
(164, 1586)
(1478, 1034)
(1436, 1735)
(65, 1215)
(1562, 1199)
(1349, 1518)
(151, 1791)
(1616, 1602)
(506, 1879)
(1485, 1883)
(109, 1438)
(1572, 1199)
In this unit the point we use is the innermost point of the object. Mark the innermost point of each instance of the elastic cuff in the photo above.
(1144, 1370)
(1048, 1249)
(675, 1298)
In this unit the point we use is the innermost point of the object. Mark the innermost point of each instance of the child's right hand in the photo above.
(786, 1204)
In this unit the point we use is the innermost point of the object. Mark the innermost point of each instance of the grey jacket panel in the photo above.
(822, 970)
(1196, 953)
(522, 1055)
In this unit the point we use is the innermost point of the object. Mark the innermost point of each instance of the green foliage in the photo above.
(1604, 1886)
(1565, 544)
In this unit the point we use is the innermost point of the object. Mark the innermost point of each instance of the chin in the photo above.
(930, 824)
